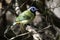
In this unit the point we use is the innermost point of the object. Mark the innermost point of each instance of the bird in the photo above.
(26, 17)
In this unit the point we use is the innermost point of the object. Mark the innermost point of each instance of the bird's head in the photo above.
(33, 9)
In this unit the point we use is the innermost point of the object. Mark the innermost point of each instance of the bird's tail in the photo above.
(18, 28)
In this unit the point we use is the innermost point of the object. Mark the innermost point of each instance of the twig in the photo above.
(24, 3)
(19, 35)
(29, 33)
(45, 28)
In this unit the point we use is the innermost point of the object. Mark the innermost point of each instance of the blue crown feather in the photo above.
(33, 9)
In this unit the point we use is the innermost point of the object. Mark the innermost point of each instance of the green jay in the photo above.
(26, 17)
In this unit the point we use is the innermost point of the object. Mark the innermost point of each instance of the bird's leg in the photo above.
(22, 28)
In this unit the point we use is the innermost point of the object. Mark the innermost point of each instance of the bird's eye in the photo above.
(33, 8)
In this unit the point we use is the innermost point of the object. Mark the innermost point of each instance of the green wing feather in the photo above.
(25, 17)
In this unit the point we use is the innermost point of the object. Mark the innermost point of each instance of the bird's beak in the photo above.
(36, 9)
